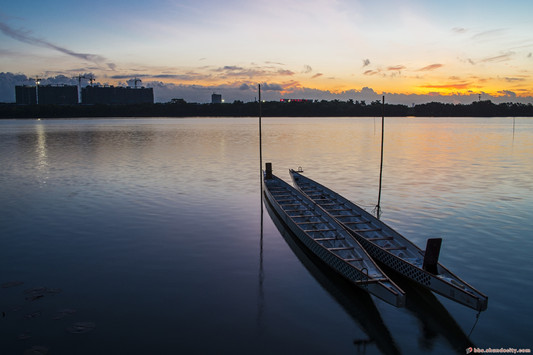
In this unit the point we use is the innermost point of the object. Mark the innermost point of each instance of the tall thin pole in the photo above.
(261, 296)
(260, 138)
(378, 206)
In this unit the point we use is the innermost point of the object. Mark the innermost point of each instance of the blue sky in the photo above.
(451, 50)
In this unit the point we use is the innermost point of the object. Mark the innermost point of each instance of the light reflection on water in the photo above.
(151, 228)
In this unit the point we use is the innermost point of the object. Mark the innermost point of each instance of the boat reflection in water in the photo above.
(355, 301)
(434, 318)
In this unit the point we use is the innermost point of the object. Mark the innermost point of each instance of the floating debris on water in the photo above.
(33, 315)
(35, 290)
(81, 327)
(53, 291)
(11, 284)
(63, 313)
(36, 293)
(34, 297)
(36, 350)
(24, 336)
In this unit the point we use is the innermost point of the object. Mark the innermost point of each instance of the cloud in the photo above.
(431, 67)
(229, 68)
(271, 87)
(308, 69)
(275, 63)
(27, 37)
(529, 55)
(459, 30)
(370, 72)
(487, 35)
(498, 58)
(366, 62)
(285, 72)
(507, 93)
(396, 68)
(316, 75)
(447, 86)
(129, 76)
(512, 80)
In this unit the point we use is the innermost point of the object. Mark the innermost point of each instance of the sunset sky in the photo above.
(310, 49)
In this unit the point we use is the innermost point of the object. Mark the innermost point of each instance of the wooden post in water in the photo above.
(260, 140)
(378, 206)
(431, 256)
(268, 171)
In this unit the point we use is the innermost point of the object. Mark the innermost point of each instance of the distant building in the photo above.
(58, 95)
(112, 95)
(216, 98)
(295, 100)
(25, 95)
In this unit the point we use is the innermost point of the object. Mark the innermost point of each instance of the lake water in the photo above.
(151, 233)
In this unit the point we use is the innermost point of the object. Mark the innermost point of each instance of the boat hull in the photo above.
(401, 255)
(381, 287)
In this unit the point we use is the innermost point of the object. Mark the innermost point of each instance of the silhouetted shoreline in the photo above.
(323, 108)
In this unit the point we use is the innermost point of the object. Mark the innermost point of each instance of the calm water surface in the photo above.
(150, 231)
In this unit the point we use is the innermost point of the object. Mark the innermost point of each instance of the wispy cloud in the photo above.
(486, 35)
(366, 62)
(285, 72)
(370, 72)
(431, 67)
(307, 69)
(447, 86)
(27, 37)
(513, 80)
(396, 68)
(498, 58)
(459, 30)
(316, 75)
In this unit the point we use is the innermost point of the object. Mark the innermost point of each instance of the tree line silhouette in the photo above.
(334, 108)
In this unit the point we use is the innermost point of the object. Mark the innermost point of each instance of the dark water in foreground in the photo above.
(149, 233)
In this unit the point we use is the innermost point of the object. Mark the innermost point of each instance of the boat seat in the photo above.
(380, 238)
(340, 248)
(367, 230)
(347, 215)
(357, 222)
(327, 239)
(353, 259)
(310, 222)
(320, 230)
(396, 248)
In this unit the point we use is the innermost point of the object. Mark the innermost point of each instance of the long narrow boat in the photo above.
(328, 240)
(356, 302)
(389, 247)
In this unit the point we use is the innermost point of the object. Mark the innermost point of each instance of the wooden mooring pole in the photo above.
(378, 206)
(260, 139)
